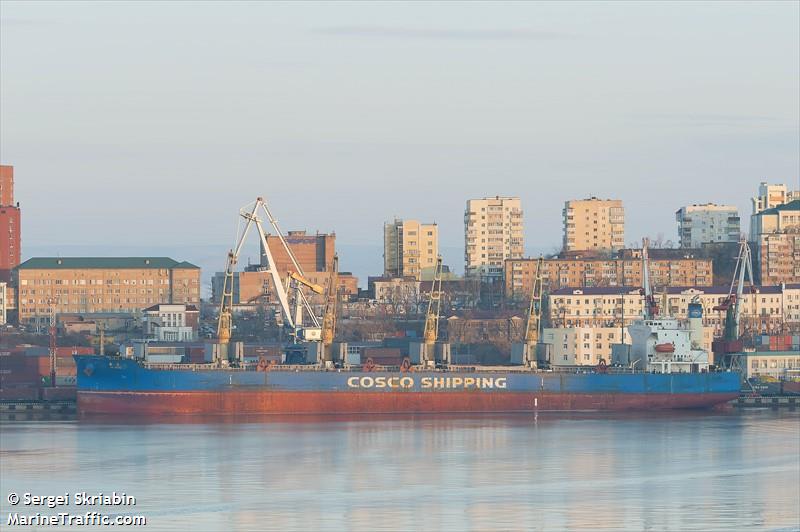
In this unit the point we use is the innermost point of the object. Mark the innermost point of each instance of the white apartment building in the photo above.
(764, 309)
(493, 232)
(707, 223)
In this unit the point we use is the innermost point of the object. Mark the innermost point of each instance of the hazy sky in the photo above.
(152, 123)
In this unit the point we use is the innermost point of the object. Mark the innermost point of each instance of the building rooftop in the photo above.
(793, 205)
(156, 308)
(110, 263)
(617, 290)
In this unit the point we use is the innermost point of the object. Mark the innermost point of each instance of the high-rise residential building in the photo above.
(86, 285)
(769, 197)
(493, 232)
(10, 220)
(409, 248)
(775, 241)
(707, 223)
(594, 225)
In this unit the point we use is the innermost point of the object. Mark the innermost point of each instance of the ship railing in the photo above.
(396, 369)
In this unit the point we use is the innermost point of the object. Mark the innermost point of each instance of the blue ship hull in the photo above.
(118, 385)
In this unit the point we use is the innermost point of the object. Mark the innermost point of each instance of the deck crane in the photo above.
(533, 325)
(431, 331)
(329, 315)
(650, 304)
(250, 213)
(732, 306)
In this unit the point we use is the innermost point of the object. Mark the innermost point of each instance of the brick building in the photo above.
(10, 224)
(559, 273)
(314, 253)
(6, 184)
(254, 287)
(88, 285)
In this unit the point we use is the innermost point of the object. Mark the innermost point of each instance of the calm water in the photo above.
(656, 472)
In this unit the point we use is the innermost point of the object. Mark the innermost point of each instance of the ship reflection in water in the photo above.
(676, 471)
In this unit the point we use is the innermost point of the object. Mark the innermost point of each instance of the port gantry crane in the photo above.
(329, 315)
(431, 331)
(732, 306)
(650, 304)
(533, 324)
(293, 319)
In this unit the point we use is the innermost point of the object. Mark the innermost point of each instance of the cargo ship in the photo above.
(116, 385)
(663, 369)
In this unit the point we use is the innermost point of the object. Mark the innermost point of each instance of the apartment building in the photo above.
(582, 346)
(101, 284)
(560, 273)
(409, 248)
(776, 244)
(707, 223)
(493, 232)
(593, 224)
(764, 308)
(770, 196)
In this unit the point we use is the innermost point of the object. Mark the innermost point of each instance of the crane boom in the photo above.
(535, 310)
(317, 289)
(650, 304)
(434, 306)
(329, 315)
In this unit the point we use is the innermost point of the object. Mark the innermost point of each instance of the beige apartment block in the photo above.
(561, 273)
(764, 308)
(585, 346)
(775, 241)
(770, 196)
(594, 225)
(579, 346)
(101, 284)
(493, 233)
(409, 248)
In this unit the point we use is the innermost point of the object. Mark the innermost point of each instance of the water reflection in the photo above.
(685, 471)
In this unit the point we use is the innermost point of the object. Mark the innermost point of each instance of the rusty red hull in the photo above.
(283, 402)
